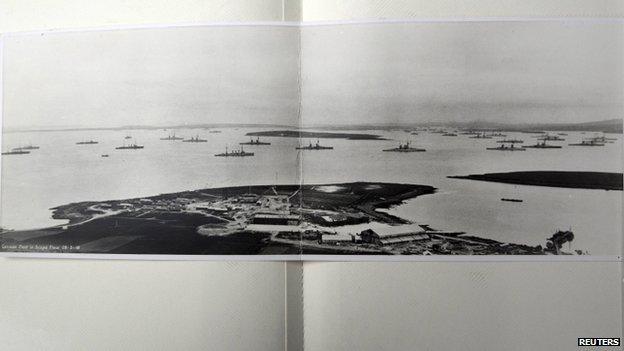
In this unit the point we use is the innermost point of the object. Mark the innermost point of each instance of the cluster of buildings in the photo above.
(379, 236)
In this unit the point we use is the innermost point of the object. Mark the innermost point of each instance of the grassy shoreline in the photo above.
(559, 179)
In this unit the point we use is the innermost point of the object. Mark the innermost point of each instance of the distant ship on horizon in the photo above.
(510, 141)
(88, 142)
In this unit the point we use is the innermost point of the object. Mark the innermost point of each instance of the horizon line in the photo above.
(310, 125)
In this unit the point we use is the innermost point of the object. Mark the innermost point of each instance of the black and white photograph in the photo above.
(395, 139)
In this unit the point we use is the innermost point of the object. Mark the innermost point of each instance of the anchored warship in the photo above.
(543, 145)
(588, 143)
(603, 139)
(506, 148)
(481, 136)
(27, 147)
(405, 148)
(132, 146)
(16, 152)
(551, 138)
(316, 146)
(235, 153)
(88, 142)
(195, 139)
(172, 137)
(510, 141)
(255, 142)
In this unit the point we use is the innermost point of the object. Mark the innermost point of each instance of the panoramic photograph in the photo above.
(395, 139)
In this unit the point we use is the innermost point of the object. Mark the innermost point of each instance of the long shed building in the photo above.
(391, 235)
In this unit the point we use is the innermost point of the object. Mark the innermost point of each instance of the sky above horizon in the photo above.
(165, 76)
(510, 72)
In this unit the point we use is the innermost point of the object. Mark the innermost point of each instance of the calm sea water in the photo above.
(62, 172)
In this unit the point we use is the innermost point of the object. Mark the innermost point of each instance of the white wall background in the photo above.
(465, 306)
(123, 305)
